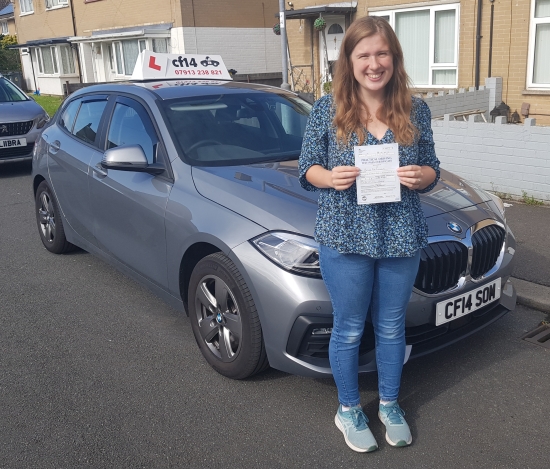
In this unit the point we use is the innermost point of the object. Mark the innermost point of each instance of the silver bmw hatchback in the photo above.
(191, 188)
(21, 121)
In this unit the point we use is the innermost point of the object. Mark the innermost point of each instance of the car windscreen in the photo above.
(9, 93)
(238, 128)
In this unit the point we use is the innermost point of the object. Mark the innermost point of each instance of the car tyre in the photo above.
(48, 219)
(224, 318)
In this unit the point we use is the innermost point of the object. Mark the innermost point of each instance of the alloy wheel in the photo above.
(46, 217)
(218, 317)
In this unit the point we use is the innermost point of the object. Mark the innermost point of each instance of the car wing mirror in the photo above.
(129, 158)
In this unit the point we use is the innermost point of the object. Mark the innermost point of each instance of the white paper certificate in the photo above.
(378, 182)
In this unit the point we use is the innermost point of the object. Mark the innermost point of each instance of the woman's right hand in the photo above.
(343, 177)
(339, 178)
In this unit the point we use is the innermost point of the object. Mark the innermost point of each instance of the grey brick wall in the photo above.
(451, 102)
(513, 159)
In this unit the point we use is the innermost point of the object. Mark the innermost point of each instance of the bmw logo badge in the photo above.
(219, 318)
(454, 227)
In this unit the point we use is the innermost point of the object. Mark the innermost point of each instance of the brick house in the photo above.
(7, 19)
(439, 42)
(92, 41)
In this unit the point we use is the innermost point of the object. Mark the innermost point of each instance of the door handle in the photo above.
(101, 173)
(54, 147)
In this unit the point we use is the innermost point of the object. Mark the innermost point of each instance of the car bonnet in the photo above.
(271, 195)
(19, 111)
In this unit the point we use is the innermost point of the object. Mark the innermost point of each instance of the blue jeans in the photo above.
(355, 282)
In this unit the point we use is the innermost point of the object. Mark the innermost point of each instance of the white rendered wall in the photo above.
(27, 71)
(506, 158)
(247, 50)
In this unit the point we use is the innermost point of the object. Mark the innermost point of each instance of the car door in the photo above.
(72, 142)
(128, 207)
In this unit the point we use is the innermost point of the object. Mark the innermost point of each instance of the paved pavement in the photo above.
(531, 227)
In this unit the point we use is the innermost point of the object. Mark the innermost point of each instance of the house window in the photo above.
(67, 59)
(160, 45)
(4, 27)
(47, 59)
(429, 39)
(539, 45)
(126, 52)
(26, 6)
(56, 3)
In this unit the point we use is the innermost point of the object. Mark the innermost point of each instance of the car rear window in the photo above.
(238, 128)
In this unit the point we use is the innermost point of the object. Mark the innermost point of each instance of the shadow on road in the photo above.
(17, 169)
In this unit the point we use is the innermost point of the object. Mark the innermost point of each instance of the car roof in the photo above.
(170, 89)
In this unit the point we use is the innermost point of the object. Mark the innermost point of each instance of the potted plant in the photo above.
(320, 24)
(277, 29)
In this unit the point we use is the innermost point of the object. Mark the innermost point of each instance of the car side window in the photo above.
(130, 127)
(87, 120)
(67, 117)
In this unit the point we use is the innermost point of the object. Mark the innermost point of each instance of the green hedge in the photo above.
(10, 60)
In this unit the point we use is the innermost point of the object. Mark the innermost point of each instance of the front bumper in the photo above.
(296, 315)
(11, 155)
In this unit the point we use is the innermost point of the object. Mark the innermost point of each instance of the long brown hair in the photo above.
(396, 109)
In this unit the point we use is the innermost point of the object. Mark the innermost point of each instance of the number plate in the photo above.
(13, 142)
(467, 303)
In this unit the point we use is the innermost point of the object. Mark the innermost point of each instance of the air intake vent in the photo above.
(16, 152)
(13, 129)
(441, 266)
(487, 243)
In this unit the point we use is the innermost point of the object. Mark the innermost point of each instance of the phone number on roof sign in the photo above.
(198, 72)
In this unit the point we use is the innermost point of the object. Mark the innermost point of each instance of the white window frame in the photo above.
(432, 65)
(55, 4)
(4, 29)
(144, 43)
(23, 7)
(53, 55)
(60, 62)
(56, 61)
(531, 55)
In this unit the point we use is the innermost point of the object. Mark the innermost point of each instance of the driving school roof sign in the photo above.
(155, 66)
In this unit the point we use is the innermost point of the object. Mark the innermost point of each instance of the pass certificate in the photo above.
(378, 181)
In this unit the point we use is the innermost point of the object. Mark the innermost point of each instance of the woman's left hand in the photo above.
(416, 177)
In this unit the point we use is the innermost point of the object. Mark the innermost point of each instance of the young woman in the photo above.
(369, 254)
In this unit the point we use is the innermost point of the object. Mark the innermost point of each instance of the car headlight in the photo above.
(498, 202)
(42, 120)
(294, 253)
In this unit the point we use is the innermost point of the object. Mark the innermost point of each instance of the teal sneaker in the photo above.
(392, 416)
(353, 424)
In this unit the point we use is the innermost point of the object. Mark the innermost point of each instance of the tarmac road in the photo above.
(97, 372)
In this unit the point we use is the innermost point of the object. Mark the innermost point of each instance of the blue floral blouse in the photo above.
(396, 229)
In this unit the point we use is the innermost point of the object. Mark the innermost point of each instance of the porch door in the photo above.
(334, 33)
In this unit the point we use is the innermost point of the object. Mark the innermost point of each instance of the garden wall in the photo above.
(512, 159)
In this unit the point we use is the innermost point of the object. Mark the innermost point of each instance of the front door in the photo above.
(334, 33)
